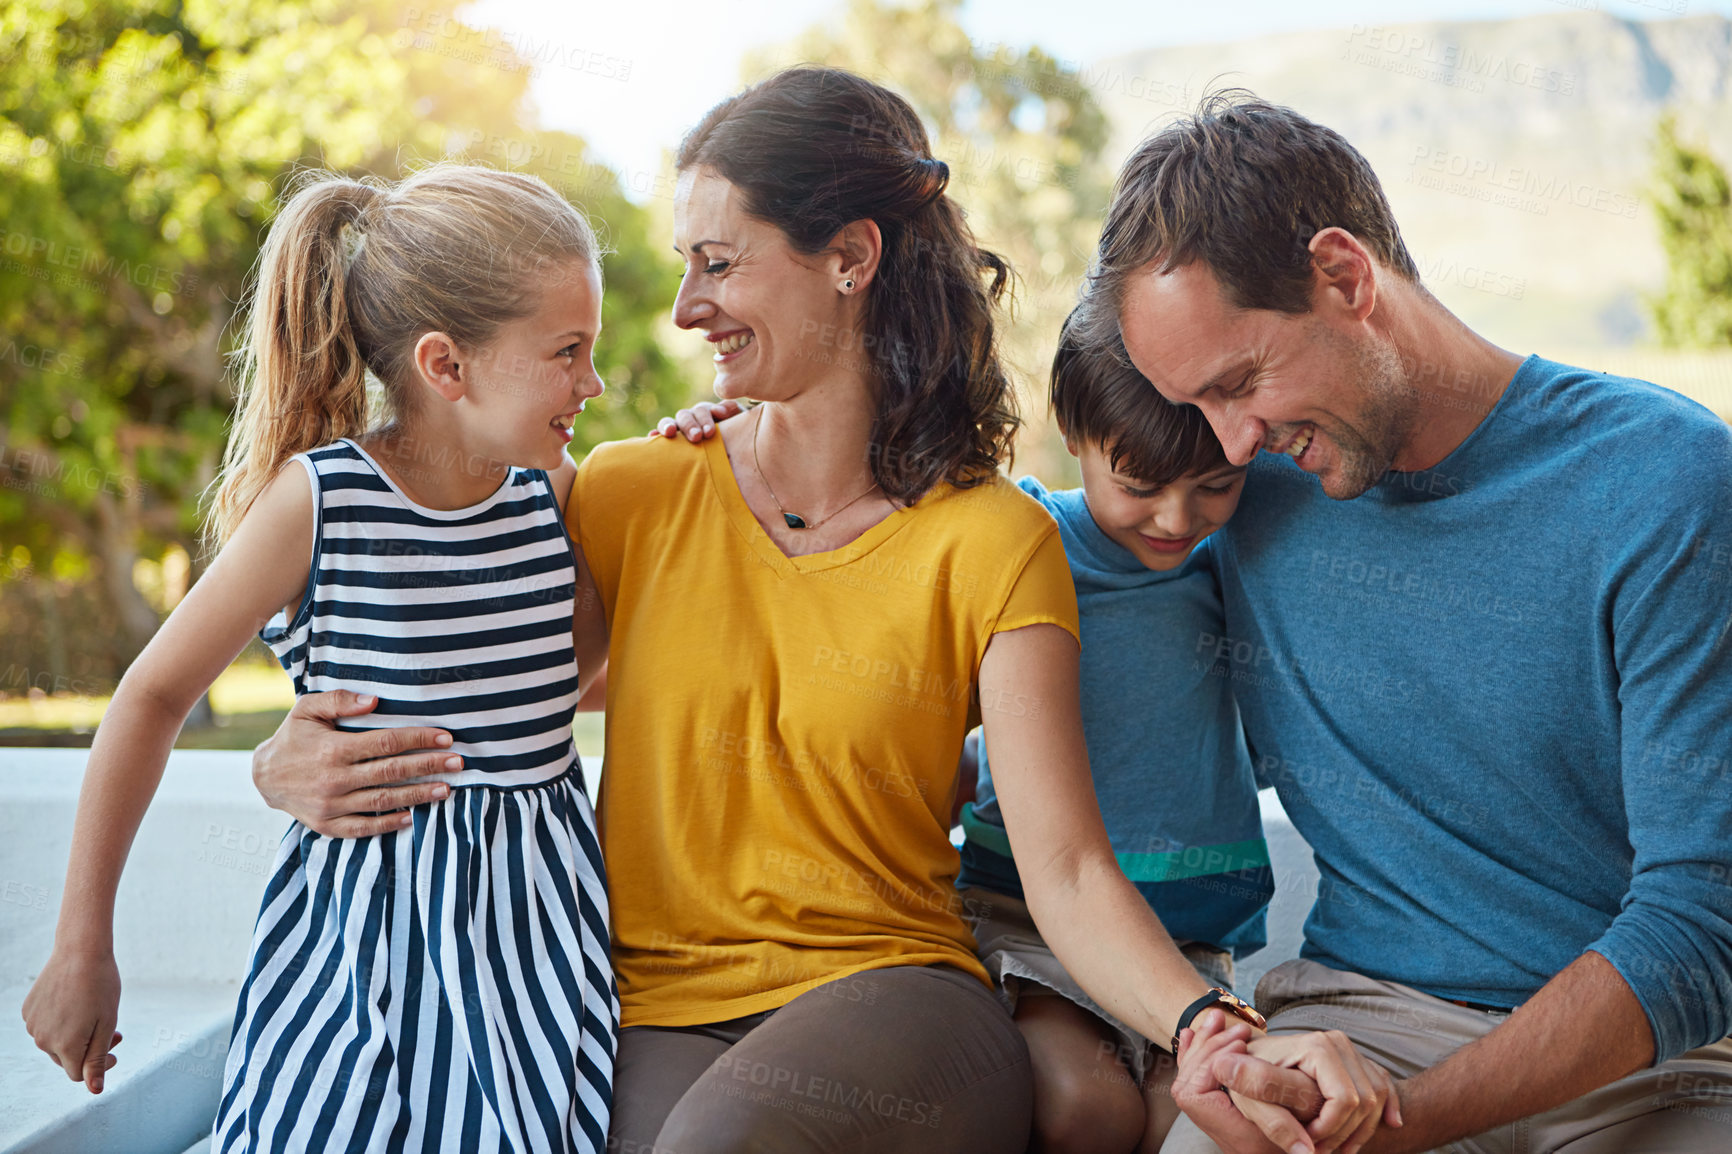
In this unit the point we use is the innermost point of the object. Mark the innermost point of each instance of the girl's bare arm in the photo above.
(71, 1009)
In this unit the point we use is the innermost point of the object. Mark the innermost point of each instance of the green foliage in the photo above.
(1023, 138)
(143, 144)
(1693, 204)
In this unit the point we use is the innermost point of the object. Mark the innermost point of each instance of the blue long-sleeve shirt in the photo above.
(1496, 698)
(1171, 771)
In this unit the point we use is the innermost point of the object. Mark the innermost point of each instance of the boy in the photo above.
(1169, 760)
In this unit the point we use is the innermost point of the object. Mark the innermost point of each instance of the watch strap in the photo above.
(1227, 1001)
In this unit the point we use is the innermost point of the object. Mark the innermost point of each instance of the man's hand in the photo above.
(697, 423)
(1357, 1094)
(1261, 1127)
(344, 784)
(1253, 1096)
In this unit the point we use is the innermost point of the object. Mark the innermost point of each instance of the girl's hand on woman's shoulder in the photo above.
(697, 423)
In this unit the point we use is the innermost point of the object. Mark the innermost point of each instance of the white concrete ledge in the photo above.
(183, 922)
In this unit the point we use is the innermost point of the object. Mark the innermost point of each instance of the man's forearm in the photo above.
(1583, 1029)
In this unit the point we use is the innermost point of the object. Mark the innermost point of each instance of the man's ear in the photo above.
(440, 365)
(1071, 447)
(1343, 274)
(857, 249)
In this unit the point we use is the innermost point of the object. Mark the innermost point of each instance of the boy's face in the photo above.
(1159, 526)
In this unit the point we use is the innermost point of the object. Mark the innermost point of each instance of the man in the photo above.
(1479, 620)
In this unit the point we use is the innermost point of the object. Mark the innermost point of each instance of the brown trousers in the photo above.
(1679, 1107)
(922, 1059)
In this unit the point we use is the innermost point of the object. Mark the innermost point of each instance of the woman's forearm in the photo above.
(1108, 939)
(1099, 926)
(125, 766)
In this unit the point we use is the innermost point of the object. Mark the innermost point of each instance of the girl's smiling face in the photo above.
(1160, 526)
(531, 381)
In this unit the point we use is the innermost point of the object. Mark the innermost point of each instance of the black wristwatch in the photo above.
(1227, 1001)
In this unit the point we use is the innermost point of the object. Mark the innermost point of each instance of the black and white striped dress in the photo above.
(446, 987)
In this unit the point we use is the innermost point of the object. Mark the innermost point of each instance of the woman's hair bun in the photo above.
(938, 176)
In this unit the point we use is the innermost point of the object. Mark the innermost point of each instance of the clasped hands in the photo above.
(1299, 1093)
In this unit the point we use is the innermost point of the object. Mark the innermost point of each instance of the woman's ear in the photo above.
(439, 364)
(857, 249)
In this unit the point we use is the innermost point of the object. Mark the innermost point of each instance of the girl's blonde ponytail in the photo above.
(303, 381)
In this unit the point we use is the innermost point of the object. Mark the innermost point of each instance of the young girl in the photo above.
(444, 986)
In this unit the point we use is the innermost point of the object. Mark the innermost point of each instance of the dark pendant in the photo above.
(794, 520)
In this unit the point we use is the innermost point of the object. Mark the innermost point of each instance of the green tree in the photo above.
(1693, 203)
(143, 145)
(1023, 137)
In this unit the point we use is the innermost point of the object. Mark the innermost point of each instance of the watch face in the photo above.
(1243, 1009)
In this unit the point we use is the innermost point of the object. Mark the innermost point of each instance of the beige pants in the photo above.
(1680, 1107)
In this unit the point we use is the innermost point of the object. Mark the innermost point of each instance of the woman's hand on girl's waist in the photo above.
(349, 784)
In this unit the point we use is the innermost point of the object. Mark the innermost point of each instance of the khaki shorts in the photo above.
(1679, 1107)
(1022, 965)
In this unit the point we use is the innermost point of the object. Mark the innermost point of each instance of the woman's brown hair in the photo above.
(814, 149)
(352, 274)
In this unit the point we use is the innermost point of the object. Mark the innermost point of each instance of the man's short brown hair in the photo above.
(1241, 185)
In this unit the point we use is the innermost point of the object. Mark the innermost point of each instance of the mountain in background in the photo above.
(1516, 154)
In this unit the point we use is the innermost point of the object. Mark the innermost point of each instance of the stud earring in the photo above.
(848, 285)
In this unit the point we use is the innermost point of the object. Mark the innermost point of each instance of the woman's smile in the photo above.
(729, 345)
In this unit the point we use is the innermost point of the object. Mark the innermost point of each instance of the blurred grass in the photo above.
(250, 700)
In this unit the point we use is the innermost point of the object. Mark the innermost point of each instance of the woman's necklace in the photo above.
(794, 520)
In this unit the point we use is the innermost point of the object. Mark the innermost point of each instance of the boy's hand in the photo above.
(70, 1014)
(697, 423)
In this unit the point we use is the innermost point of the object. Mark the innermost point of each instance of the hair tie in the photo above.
(938, 178)
(352, 240)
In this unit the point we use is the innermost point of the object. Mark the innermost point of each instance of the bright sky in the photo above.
(646, 71)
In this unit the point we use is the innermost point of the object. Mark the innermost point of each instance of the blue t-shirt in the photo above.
(1495, 696)
(1165, 745)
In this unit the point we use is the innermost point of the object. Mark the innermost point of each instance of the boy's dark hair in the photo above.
(1099, 398)
(1241, 185)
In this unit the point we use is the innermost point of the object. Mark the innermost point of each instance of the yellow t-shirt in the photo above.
(783, 733)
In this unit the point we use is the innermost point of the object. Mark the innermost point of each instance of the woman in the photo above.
(802, 621)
